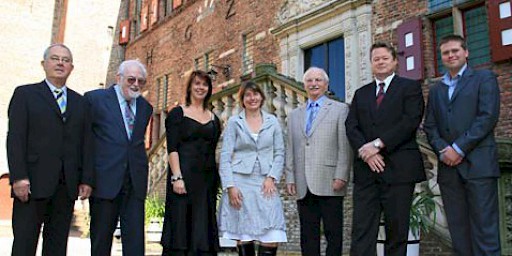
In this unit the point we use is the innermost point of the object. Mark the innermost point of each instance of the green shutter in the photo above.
(442, 28)
(477, 36)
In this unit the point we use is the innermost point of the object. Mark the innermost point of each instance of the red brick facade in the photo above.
(387, 13)
(200, 27)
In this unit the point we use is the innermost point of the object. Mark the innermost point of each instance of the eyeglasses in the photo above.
(58, 59)
(310, 80)
(131, 80)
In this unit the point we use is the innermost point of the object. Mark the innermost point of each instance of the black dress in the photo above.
(190, 221)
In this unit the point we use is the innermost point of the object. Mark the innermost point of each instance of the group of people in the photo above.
(61, 145)
(93, 146)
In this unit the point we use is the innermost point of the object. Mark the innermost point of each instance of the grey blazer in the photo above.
(468, 119)
(240, 151)
(313, 162)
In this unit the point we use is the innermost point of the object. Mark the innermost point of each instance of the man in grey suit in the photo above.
(318, 161)
(462, 111)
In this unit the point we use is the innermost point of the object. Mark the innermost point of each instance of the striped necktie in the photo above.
(380, 94)
(61, 100)
(129, 117)
(313, 110)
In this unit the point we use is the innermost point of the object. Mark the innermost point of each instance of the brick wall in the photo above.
(195, 29)
(387, 16)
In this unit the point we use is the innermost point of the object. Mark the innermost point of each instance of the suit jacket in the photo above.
(468, 120)
(312, 162)
(114, 152)
(240, 151)
(395, 122)
(42, 143)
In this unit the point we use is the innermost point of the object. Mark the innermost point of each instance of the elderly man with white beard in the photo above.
(119, 120)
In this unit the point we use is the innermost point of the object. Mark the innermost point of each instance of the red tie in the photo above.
(380, 94)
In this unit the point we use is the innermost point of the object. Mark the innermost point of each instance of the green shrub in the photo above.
(155, 208)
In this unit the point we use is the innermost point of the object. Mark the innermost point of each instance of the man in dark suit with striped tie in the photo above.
(48, 155)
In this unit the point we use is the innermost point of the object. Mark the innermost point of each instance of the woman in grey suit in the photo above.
(251, 162)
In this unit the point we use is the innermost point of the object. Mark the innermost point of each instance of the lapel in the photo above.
(369, 97)
(71, 103)
(322, 113)
(241, 121)
(302, 118)
(463, 82)
(139, 121)
(47, 95)
(443, 93)
(393, 87)
(115, 110)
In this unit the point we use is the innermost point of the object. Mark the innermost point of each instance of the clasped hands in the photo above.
(450, 157)
(370, 154)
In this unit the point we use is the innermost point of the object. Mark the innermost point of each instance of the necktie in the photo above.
(312, 115)
(129, 117)
(380, 94)
(61, 100)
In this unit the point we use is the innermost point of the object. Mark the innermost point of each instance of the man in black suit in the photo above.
(119, 120)
(463, 109)
(48, 156)
(381, 127)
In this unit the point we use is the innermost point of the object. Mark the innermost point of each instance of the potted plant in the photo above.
(155, 209)
(422, 206)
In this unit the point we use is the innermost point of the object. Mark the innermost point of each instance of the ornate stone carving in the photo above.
(293, 8)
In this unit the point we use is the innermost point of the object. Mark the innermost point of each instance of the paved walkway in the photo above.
(77, 246)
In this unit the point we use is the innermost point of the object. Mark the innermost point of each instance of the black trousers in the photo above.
(472, 212)
(369, 201)
(55, 212)
(104, 215)
(314, 210)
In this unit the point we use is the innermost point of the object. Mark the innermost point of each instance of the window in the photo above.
(162, 85)
(137, 20)
(247, 53)
(164, 92)
(475, 28)
(329, 56)
(170, 5)
(204, 62)
(435, 5)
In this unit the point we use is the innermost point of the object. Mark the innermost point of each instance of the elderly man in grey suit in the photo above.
(318, 162)
(462, 111)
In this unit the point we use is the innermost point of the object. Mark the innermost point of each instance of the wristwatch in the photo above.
(377, 144)
(176, 178)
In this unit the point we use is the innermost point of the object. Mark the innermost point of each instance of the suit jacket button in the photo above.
(307, 143)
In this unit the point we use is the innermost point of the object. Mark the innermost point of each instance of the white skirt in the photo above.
(272, 236)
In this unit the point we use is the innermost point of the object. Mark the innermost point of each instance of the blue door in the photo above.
(330, 56)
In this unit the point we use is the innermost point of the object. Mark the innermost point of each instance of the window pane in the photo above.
(435, 5)
(477, 36)
(337, 68)
(329, 56)
(442, 28)
(316, 57)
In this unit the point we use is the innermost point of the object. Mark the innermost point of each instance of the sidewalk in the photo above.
(77, 246)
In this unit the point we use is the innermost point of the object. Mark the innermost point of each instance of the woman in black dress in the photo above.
(190, 226)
